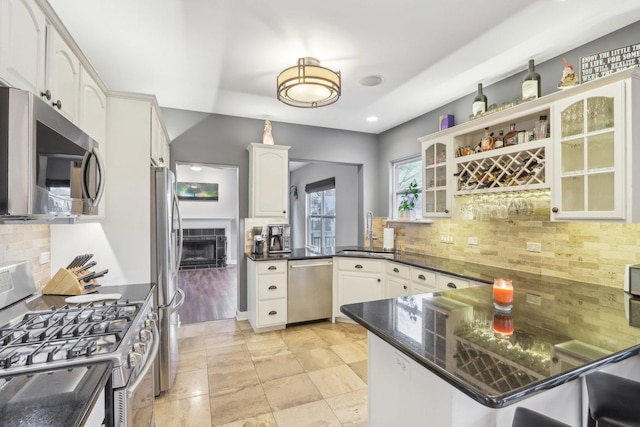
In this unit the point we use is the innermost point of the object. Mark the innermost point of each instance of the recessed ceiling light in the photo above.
(196, 168)
(371, 80)
(372, 118)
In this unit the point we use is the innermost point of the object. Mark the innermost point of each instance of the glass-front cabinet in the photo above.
(589, 151)
(436, 197)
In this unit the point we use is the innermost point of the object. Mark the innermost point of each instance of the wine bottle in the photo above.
(479, 105)
(531, 84)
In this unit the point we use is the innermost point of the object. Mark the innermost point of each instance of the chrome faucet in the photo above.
(370, 230)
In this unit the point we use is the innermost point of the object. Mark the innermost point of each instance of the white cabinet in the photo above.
(396, 280)
(436, 194)
(445, 282)
(63, 75)
(22, 44)
(92, 117)
(589, 154)
(159, 141)
(267, 295)
(356, 280)
(422, 281)
(268, 180)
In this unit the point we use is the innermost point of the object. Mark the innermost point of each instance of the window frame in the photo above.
(394, 192)
(323, 217)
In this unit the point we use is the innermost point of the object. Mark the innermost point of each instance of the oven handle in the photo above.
(150, 359)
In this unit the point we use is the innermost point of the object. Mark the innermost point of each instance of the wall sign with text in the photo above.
(608, 62)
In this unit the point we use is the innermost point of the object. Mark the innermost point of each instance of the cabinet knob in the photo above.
(405, 286)
(273, 267)
(161, 159)
(452, 285)
(378, 280)
(421, 277)
(273, 313)
(46, 94)
(555, 210)
(446, 211)
(395, 270)
(284, 212)
(57, 104)
(273, 287)
(358, 266)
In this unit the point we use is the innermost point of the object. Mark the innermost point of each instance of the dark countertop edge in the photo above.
(102, 382)
(491, 401)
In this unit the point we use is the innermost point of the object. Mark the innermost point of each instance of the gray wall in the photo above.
(402, 141)
(346, 194)
(222, 140)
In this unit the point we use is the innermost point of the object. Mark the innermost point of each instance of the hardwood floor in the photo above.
(210, 294)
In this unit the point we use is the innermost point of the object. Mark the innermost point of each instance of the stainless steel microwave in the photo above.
(50, 170)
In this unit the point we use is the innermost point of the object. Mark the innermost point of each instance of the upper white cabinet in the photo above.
(589, 155)
(159, 141)
(63, 76)
(92, 117)
(268, 180)
(436, 195)
(22, 44)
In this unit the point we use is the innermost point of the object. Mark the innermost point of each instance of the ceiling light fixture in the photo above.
(372, 119)
(308, 85)
(196, 168)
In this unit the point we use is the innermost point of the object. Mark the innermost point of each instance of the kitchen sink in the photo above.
(374, 254)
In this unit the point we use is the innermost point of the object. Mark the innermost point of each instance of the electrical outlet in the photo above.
(534, 299)
(45, 257)
(473, 240)
(446, 238)
(534, 247)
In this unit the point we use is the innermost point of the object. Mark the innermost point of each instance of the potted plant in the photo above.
(408, 201)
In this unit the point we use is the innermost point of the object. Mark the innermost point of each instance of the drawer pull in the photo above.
(421, 277)
(452, 285)
(395, 270)
(273, 287)
(273, 267)
(273, 313)
(358, 266)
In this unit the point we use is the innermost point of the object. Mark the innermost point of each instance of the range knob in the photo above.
(153, 316)
(145, 335)
(134, 359)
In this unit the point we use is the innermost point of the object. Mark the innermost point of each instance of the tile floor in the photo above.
(309, 375)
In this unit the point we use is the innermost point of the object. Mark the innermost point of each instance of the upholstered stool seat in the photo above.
(527, 418)
(614, 401)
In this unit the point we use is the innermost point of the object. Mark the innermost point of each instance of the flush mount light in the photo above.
(308, 85)
(196, 168)
(372, 119)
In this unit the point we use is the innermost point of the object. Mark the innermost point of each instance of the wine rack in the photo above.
(519, 167)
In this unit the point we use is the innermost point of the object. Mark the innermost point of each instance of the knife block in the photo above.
(65, 282)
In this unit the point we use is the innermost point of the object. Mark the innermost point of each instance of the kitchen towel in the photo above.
(387, 239)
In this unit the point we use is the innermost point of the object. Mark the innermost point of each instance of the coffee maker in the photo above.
(279, 239)
(258, 242)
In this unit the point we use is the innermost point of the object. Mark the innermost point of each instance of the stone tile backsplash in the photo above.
(26, 242)
(594, 252)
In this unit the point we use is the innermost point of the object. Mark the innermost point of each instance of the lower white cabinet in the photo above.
(447, 283)
(267, 295)
(422, 281)
(396, 280)
(356, 280)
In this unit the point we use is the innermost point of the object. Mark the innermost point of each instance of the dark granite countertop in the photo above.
(576, 327)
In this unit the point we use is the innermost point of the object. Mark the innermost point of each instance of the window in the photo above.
(321, 215)
(404, 172)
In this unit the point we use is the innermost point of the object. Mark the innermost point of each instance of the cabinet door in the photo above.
(158, 141)
(396, 287)
(435, 192)
(589, 155)
(269, 181)
(358, 287)
(63, 76)
(93, 109)
(22, 44)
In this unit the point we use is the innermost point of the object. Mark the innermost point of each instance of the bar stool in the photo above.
(613, 401)
(527, 418)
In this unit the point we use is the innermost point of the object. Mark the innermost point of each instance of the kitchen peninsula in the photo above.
(451, 358)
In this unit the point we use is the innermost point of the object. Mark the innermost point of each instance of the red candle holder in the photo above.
(502, 294)
(502, 324)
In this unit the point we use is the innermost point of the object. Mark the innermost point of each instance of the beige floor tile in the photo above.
(232, 377)
(290, 391)
(310, 414)
(250, 336)
(334, 336)
(220, 361)
(265, 420)
(361, 369)
(352, 351)
(356, 331)
(226, 325)
(334, 381)
(278, 367)
(244, 403)
(223, 339)
(190, 412)
(303, 340)
(350, 408)
(260, 345)
(187, 384)
(192, 361)
(191, 330)
(318, 358)
(243, 325)
(185, 345)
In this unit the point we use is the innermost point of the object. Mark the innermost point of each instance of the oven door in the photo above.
(133, 404)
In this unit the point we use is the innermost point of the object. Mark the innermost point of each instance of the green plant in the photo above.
(409, 197)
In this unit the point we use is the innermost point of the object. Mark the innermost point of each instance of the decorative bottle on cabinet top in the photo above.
(531, 84)
(479, 105)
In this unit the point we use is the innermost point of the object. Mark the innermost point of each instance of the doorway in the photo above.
(208, 272)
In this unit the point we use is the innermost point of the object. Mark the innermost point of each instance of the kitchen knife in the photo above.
(74, 261)
(84, 259)
(94, 275)
(86, 267)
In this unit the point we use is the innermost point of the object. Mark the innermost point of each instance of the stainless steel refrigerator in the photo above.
(166, 249)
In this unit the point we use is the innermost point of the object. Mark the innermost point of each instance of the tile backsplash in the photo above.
(26, 242)
(594, 252)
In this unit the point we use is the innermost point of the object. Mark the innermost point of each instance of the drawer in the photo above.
(268, 267)
(272, 286)
(272, 312)
(417, 288)
(397, 270)
(446, 283)
(361, 265)
(423, 278)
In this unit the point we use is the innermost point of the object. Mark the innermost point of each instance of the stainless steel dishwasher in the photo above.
(309, 290)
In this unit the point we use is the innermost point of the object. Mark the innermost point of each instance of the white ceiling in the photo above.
(223, 56)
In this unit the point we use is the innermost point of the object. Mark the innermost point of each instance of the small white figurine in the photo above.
(266, 135)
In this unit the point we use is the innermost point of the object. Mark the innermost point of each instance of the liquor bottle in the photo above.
(531, 84)
(499, 141)
(479, 105)
(511, 138)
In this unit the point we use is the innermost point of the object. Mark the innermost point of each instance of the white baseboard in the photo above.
(241, 315)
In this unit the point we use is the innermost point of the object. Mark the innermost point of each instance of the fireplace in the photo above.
(204, 248)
